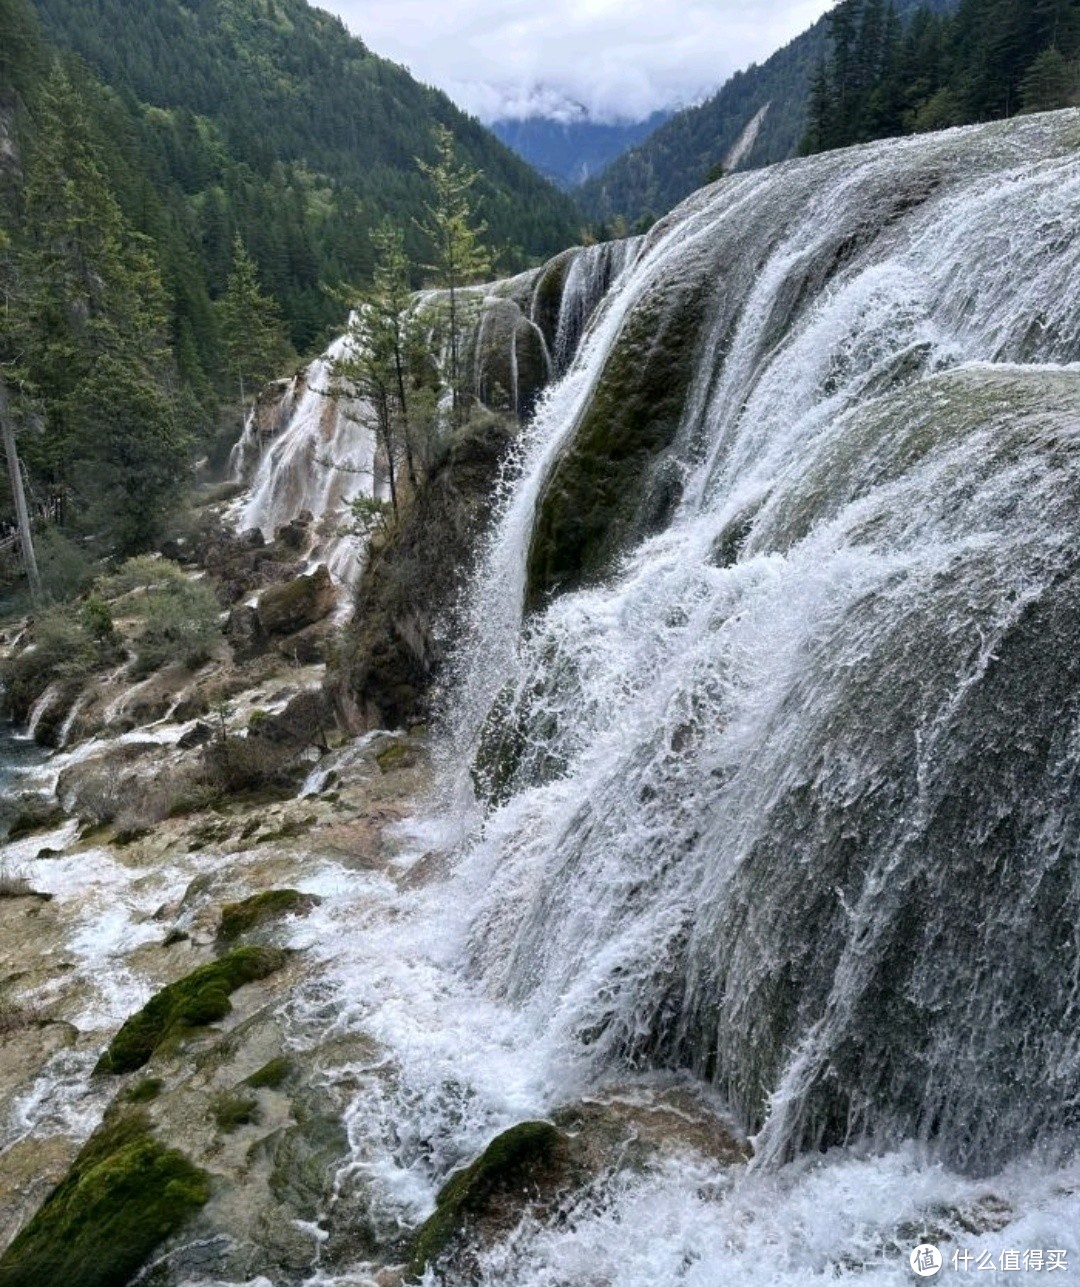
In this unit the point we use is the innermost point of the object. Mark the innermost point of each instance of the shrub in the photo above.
(66, 569)
(182, 624)
(61, 650)
(145, 572)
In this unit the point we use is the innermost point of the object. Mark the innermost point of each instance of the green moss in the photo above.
(271, 1075)
(230, 1111)
(602, 492)
(272, 904)
(199, 998)
(124, 1195)
(145, 1091)
(397, 756)
(514, 1161)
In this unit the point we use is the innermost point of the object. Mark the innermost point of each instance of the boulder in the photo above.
(284, 609)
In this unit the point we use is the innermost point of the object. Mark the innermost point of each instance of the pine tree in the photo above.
(96, 342)
(1052, 81)
(460, 256)
(252, 331)
(382, 353)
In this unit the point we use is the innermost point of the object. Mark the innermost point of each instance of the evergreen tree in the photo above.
(456, 238)
(97, 334)
(1052, 81)
(252, 331)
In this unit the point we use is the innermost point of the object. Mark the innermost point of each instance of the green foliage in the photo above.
(67, 570)
(459, 253)
(271, 904)
(97, 620)
(124, 1195)
(1052, 81)
(142, 572)
(231, 1110)
(251, 327)
(273, 123)
(272, 1075)
(987, 60)
(63, 651)
(199, 998)
(181, 615)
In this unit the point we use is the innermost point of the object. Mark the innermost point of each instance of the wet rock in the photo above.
(260, 909)
(602, 492)
(392, 652)
(244, 632)
(307, 720)
(308, 647)
(287, 608)
(124, 1195)
(199, 998)
(528, 1165)
(198, 735)
(295, 535)
(30, 812)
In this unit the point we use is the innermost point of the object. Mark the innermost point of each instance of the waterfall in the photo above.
(786, 793)
(322, 458)
(592, 271)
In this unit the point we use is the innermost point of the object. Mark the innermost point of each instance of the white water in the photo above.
(770, 723)
(322, 459)
(812, 833)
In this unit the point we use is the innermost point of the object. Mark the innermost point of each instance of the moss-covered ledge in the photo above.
(124, 1195)
(530, 1157)
(601, 494)
(199, 998)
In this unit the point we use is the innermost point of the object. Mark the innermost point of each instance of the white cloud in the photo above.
(617, 58)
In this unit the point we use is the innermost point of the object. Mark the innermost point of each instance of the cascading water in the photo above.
(788, 797)
(323, 458)
(592, 272)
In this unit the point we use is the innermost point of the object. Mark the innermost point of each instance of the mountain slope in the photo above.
(570, 152)
(679, 156)
(283, 83)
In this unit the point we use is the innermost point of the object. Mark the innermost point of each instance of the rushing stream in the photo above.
(758, 774)
(787, 797)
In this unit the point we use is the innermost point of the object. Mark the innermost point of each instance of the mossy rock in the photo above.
(527, 1160)
(399, 755)
(606, 489)
(199, 998)
(145, 1091)
(272, 904)
(272, 1075)
(305, 1158)
(292, 605)
(32, 813)
(233, 1109)
(124, 1195)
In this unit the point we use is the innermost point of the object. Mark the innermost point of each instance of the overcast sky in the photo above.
(620, 58)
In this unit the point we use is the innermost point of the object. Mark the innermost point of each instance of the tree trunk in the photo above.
(22, 514)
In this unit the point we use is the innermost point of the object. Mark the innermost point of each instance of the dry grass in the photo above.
(13, 883)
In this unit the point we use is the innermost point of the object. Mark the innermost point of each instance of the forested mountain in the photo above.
(696, 143)
(989, 59)
(572, 151)
(183, 188)
(268, 119)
